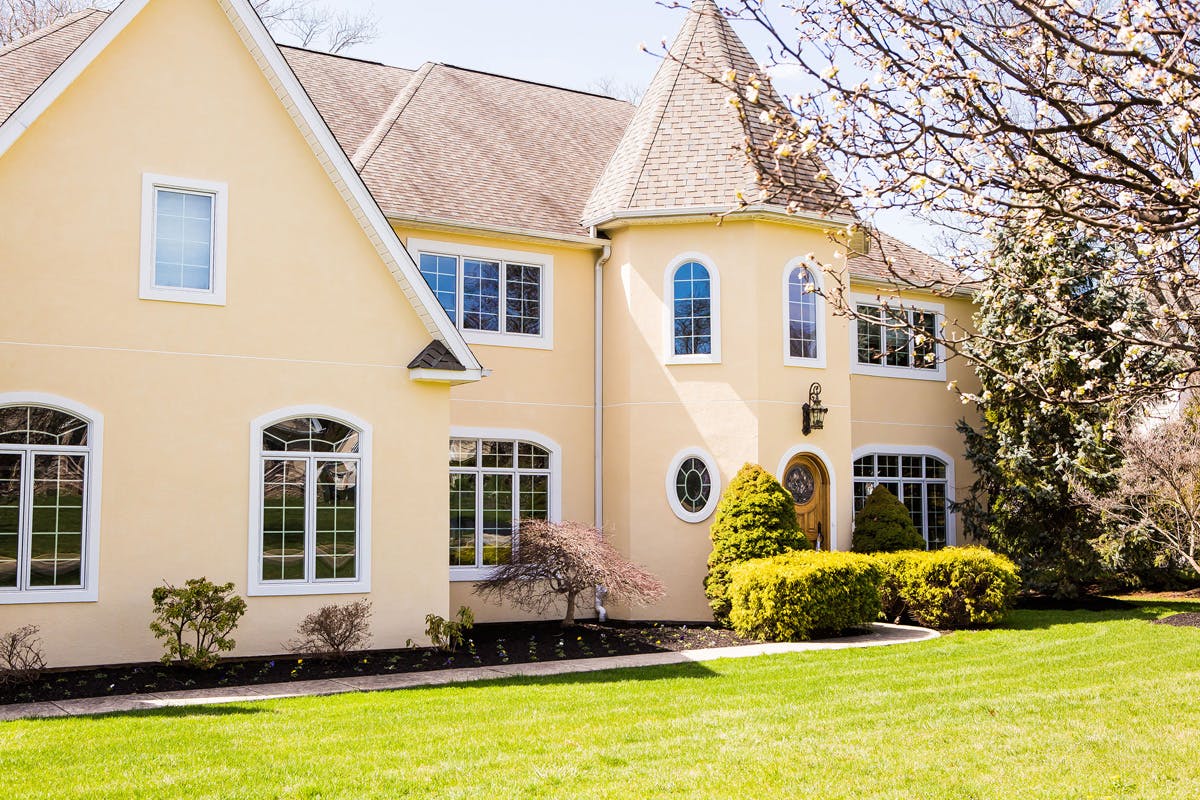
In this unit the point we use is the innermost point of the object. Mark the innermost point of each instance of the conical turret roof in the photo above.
(684, 147)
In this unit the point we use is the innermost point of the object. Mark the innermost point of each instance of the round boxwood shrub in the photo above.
(755, 518)
(957, 587)
(884, 526)
(798, 595)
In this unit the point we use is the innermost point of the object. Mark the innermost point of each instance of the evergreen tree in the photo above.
(883, 525)
(755, 518)
(1024, 451)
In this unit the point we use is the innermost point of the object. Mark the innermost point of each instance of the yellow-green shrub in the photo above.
(799, 594)
(957, 587)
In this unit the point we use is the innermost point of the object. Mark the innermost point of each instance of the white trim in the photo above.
(691, 213)
(90, 573)
(897, 304)
(255, 585)
(917, 450)
(811, 450)
(454, 377)
(814, 270)
(296, 100)
(714, 279)
(543, 340)
(147, 290)
(458, 574)
(714, 493)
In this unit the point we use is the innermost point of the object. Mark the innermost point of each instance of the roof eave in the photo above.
(686, 214)
(449, 225)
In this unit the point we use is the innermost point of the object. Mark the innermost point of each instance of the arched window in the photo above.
(802, 330)
(46, 504)
(919, 481)
(693, 328)
(494, 484)
(693, 485)
(311, 506)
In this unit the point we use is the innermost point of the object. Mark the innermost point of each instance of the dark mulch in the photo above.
(489, 645)
(1188, 619)
(1087, 602)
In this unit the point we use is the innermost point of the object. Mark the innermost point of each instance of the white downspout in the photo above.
(598, 409)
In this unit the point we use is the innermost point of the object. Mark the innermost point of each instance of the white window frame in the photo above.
(215, 294)
(912, 450)
(556, 480)
(714, 280)
(89, 592)
(714, 496)
(814, 270)
(897, 304)
(541, 341)
(255, 585)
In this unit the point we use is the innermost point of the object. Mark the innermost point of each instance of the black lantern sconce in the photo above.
(814, 412)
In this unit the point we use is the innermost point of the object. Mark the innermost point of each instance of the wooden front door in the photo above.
(808, 482)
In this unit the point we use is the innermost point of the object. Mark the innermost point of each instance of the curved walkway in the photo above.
(882, 634)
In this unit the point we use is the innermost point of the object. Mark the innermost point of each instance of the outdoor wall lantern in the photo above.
(814, 412)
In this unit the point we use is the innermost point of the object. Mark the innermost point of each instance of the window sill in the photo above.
(497, 339)
(810, 363)
(14, 597)
(467, 574)
(195, 296)
(939, 374)
(285, 589)
(704, 359)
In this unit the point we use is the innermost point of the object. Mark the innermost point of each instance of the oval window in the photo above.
(693, 485)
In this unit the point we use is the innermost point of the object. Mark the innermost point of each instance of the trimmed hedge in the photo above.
(883, 525)
(957, 587)
(756, 518)
(799, 594)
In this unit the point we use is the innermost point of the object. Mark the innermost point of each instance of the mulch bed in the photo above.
(1187, 619)
(489, 645)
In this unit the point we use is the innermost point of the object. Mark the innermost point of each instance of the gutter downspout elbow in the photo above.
(598, 409)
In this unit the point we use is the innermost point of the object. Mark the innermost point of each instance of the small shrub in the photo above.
(958, 587)
(195, 620)
(334, 630)
(21, 656)
(884, 526)
(756, 518)
(448, 634)
(796, 595)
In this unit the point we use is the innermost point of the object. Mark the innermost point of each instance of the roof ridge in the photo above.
(371, 143)
(283, 46)
(41, 33)
(533, 82)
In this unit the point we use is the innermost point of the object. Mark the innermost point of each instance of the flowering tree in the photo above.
(1158, 495)
(556, 561)
(1050, 115)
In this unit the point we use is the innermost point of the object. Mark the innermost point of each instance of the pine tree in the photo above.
(755, 518)
(883, 525)
(1025, 452)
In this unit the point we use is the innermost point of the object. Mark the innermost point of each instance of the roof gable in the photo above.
(311, 124)
(684, 147)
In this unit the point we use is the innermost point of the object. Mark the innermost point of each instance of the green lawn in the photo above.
(1056, 705)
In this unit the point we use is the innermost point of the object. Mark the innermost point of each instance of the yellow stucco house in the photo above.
(327, 328)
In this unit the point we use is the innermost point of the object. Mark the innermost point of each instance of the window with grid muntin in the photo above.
(309, 517)
(494, 484)
(487, 295)
(886, 338)
(802, 314)
(44, 462)
(918, 481)
(691, 301)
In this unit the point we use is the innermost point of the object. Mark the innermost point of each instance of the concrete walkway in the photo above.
(880, 635)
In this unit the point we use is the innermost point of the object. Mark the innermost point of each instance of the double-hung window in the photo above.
(494, 484)
(692, 318)
(899, 341)
(311, 507)
(492, 296)
(183, 240)
(803, 316)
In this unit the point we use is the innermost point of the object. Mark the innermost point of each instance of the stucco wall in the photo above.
(313, 317)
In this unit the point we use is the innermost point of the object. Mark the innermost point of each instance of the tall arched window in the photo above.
(692, 309)
(802, 314)
(46, 504)
(311, 506)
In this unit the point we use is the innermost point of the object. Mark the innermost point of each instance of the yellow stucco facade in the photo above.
(313, 317)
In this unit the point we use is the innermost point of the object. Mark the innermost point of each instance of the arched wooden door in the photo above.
(808, 482)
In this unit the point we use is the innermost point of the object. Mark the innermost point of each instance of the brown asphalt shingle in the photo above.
(26, 63)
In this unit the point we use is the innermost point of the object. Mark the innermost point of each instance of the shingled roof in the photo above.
(683, 148)
(457, 145)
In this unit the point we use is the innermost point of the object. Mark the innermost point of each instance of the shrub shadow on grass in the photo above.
(1147, 611)
(242, 707)
(653, 672)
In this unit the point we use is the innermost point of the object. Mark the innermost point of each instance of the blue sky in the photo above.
(571, 43)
